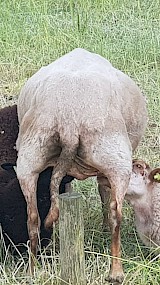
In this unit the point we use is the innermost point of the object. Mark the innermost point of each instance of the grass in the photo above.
(34, 33)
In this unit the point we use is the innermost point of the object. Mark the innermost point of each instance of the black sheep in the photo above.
(13, 209)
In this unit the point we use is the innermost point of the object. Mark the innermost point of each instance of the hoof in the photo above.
(51, 218)
(30, 270)
(115, 278)
(49, 224)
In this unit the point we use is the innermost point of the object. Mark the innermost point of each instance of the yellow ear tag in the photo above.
(157, 176)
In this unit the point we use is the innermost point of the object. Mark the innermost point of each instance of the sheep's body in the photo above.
(90, 83)
(144, 196)
(13, 208)
(84, 117)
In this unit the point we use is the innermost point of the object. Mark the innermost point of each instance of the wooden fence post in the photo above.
(71, 232)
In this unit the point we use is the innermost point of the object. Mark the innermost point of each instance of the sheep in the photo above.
(13, 207)
(83, 117)
(144, 196)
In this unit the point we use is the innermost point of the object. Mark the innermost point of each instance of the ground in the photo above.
(36, 32)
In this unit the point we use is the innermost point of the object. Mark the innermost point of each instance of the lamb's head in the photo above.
(144, 196)
(143, 180)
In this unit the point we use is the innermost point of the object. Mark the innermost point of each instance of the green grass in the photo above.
(36, 32)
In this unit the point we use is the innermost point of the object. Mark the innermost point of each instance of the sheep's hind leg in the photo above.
(30, 163)
(113, 158)
(29, 187)
(118, 189)
(59, 171)
(104, 191)
(119, 181)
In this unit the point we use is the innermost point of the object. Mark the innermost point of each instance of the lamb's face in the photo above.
(138, 185)
(143, 180)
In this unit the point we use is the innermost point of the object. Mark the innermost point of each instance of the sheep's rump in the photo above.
(84, 93)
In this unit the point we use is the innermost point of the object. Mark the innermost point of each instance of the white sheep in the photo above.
(84, 117)
(144, 195)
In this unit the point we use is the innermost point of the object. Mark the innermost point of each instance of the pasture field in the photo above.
(36, 32)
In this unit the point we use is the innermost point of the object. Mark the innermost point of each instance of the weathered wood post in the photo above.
(71, 232)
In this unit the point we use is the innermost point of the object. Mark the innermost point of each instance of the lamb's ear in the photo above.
(9, 166)
(154, 175)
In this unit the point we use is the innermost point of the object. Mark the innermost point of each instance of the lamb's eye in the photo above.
(139, 166)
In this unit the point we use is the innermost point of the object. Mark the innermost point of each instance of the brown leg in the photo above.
(30, 163)
(116, 272)
(56, 179)
(64, 164)
(104, 191)
(34, 150)
(29, 187)
(111, 154)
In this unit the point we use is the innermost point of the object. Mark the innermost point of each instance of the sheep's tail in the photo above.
(69, 141)
(68, 154)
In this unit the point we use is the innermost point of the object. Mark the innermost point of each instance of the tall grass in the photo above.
(34, 33)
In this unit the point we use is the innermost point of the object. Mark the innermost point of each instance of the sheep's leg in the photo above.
(117, 196)
(113, 204)
(30, 163)
(56, 178)
(29, 187)
(119, 185)
(64, 163)
(104, 192)
(112, 156)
